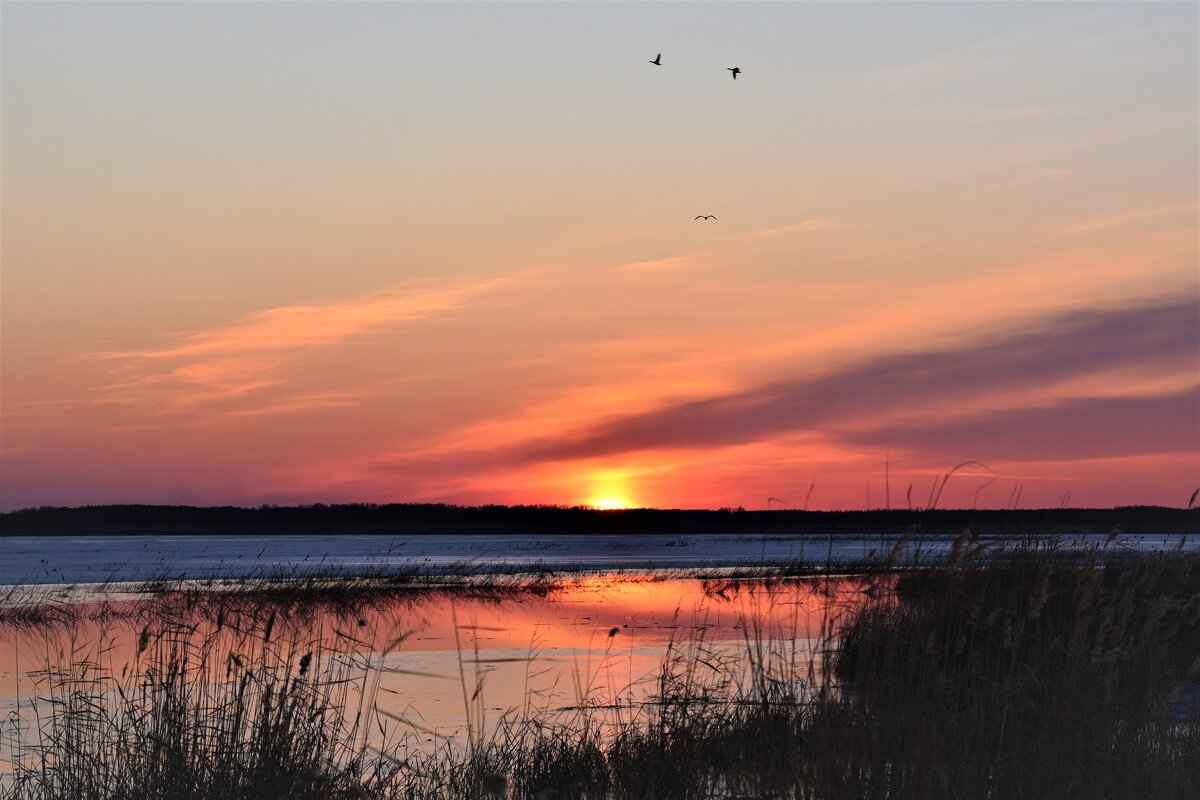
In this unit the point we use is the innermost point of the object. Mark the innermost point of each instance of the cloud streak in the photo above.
(814, 224)
(1072, 345)
(657, 265)
(311, 325)
(251, 355)
(1093, 427)
(1124, 219)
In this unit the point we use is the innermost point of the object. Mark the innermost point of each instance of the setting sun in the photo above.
(608, 503)
(610, 490)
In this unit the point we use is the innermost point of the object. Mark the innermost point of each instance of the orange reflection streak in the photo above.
(646, 608)
(599, 639)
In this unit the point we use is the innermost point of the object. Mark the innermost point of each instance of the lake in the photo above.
(433, 668)
(100, 558)
(621, 624)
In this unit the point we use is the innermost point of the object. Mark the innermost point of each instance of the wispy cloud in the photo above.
(298, 326)
(684, 262)
(1125, 219)
(657, 265)
(250, 355)
(815, 224)
(1079, 343)
(1088, 427)
(300, 403)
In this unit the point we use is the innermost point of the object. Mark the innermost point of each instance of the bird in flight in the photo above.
(705, 216)
(735, 71)
(657, 60)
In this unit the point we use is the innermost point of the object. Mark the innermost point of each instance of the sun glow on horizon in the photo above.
(609, 503)
(610, 491)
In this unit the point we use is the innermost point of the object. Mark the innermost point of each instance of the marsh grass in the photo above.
(247, 716)
(290, 593)
(1026, 677)
(165, 598)
(1025, 671)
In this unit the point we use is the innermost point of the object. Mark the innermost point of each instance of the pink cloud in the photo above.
(258, 351)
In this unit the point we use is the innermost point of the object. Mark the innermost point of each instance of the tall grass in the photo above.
(255, 717)
(288, 592)
(1022, 678)
(1027, 672)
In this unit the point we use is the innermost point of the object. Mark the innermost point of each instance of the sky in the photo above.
(446, 252)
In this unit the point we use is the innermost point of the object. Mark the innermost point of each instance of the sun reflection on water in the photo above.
(595, 640)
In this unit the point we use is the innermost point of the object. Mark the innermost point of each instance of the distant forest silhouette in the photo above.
(438, 518)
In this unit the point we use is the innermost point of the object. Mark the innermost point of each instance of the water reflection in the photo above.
(437, 666)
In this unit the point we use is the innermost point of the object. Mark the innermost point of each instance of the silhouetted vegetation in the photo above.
(1038, 673)
(291, 593)
(427, 518)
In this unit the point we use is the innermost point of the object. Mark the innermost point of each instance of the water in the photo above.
(597, 642)
(436, 667)
(96, 559)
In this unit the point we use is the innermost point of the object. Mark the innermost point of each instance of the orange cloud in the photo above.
(657, 265)
(815, 224)
(291, 327)
(250, 355)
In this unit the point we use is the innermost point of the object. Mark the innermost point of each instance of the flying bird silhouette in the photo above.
(735, 71)
(657, 60)
(706, 216)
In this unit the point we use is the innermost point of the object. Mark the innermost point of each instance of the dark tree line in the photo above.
(437, 518)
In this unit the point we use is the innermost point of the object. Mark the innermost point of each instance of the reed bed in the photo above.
(1025, 671)
(294, 592)
(290, 592)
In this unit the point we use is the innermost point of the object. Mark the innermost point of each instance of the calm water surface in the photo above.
(597, 641)
(438, 666)
(95, 559)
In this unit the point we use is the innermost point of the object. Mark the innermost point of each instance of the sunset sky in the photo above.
(393, 252)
